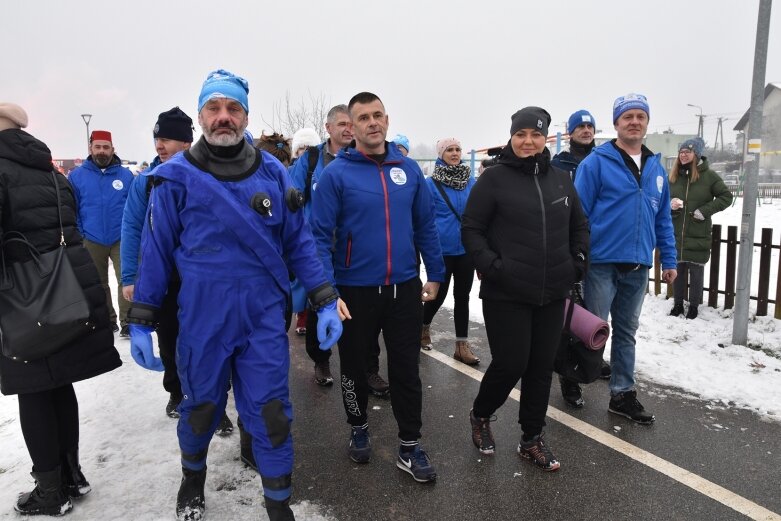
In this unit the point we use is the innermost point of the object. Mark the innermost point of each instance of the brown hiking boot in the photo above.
(425, 337)
(464, 353)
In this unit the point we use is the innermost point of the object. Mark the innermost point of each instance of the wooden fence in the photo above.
(728, 258)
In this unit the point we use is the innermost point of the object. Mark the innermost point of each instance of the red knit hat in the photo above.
(100, 135)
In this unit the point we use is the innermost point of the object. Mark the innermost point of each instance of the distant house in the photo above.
(770, 155)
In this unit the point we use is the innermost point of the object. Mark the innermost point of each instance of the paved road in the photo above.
(700, 460)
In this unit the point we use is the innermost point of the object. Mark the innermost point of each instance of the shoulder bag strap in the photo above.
(447, 200)
(59, 209)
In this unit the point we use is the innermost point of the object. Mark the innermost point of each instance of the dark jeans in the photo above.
(461, 269)
(167, 333)
(318, 356)
(694, 274)
(523, 339)
(50, 425)
(396, 310)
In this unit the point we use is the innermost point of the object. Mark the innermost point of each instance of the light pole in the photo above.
(87, 118)
(700, 132)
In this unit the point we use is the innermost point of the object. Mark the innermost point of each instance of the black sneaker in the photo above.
(536, 451)
(124, 332)
(626, 404)
(677, 310)
(377, 385)
(170, 407)
(225, 427)
(114, 328)
(417, 464)
(482, 436)
(191, 501)
(360, 447)
(323, 374)
(571, 392)
(692, 313)
(605, 371)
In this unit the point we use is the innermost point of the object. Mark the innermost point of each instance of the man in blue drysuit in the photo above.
(224, 214)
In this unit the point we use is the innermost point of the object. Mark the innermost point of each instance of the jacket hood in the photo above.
(20, 147)
(351, 153)
(508, 157)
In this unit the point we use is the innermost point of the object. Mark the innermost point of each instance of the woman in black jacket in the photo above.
(48, 409)
(528, 237)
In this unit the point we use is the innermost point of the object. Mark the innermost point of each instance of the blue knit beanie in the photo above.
(401, 140)
(224, 84)
(580, 117)
(629, 102)
(695, 144)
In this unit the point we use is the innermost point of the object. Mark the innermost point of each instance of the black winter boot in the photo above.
(245, 442)
(278, 510)
(191, 501)
(692, 313)
(47, 498)
(74, 484)
(677, 309)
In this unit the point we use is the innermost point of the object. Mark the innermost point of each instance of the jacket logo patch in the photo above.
(659, 183)
(398, 175)
(117, 184)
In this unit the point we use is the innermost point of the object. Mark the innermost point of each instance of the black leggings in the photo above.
(50, 425)
(523, 339)
(463, 273)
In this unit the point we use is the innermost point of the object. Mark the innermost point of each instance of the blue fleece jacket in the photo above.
(300, 169)
(627, 220)
(370, 219)
(100, 195)
(448, 225)
(133, 223)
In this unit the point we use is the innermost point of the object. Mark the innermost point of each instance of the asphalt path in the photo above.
(699, 460)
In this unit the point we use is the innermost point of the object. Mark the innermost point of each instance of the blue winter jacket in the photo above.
(627, 220)
(369, 220)
(101, 197)
(133, 223)
(448, 225)
(300, 169)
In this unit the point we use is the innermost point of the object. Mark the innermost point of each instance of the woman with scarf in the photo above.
(450, 186)
(696, 193)
(527, 235)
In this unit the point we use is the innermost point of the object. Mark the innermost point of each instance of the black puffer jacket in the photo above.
(28, 204)
(524, 227)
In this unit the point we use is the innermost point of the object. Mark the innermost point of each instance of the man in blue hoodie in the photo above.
(371, 213)
(624, 191)
(101, 186)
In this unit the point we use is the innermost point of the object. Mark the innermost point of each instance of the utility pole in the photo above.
(719, 135)
(700, 129)
(754, 144)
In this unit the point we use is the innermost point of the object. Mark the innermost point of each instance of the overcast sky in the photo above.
(449, 68)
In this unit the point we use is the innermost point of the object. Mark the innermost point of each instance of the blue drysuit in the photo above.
(232, 302)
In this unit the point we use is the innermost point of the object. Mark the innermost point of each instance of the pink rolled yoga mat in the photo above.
(589, 328)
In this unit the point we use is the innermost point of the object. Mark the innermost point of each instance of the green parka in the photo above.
(709, 195)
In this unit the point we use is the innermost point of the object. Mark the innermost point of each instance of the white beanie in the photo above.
(305, 137)
(12, 116)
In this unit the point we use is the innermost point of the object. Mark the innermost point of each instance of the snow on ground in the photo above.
(696, 356)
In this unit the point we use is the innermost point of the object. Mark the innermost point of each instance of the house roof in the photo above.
(743, 122)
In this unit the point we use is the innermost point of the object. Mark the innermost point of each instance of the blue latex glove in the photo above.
(141, 347)
(329, 327)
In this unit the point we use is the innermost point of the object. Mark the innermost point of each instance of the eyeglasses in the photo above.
(685, 151)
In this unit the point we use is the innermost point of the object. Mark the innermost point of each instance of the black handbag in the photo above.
(42, 304)
(574, 360)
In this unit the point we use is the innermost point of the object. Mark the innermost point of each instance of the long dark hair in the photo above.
(277, 145)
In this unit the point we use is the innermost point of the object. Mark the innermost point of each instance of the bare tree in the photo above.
(289, 116)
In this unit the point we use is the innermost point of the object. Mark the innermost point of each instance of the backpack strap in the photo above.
(314, 156)
(447, 199)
